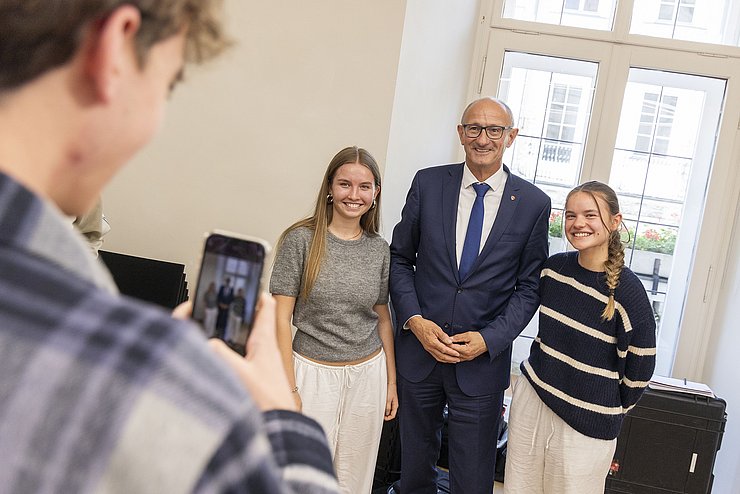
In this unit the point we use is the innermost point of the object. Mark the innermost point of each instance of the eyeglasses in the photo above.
(492, 131)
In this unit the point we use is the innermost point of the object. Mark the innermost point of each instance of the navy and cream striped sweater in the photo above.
(588, 371)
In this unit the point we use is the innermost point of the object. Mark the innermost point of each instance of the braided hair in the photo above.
(615, 257)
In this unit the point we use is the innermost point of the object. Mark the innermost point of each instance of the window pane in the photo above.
(243, 267)
(591, 5)
(551, 99)
(658, 107)
(633, 170)
(651, 266)
(666, 11)
(708, 21)
(685, 14)
(589, 14)
(557, 194)
(557, 242)
(520, 350)
(232, 264)
(523, 159)
(660, 169)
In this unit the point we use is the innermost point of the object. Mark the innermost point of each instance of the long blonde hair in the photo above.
(323, 212)
(615, 257)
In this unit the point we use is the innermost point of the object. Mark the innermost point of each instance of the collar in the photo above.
(495, 181)
(35, 225)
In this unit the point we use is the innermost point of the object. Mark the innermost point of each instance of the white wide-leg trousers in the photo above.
(349, 403)
(545, 455)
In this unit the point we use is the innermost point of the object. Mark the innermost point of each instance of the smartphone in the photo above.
(229, 286)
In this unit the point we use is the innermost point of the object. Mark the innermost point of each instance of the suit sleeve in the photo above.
(523, 303)
(404, 247)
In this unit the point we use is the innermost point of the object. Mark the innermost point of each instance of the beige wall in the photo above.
(247, 138)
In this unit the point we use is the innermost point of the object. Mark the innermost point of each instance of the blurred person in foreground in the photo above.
(100, 393)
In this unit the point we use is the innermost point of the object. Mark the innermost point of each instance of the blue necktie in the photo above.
(471, 246)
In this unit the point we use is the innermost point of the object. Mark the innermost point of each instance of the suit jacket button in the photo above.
(447, 326)
(459, 290)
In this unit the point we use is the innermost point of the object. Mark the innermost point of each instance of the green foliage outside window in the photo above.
(556, 224)
(661, 240)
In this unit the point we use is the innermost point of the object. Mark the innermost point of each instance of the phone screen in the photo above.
(228, 287)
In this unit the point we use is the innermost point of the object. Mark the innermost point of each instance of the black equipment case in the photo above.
(388, 465)
(668, 444)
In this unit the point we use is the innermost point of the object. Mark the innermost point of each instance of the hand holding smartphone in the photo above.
(228, 286)
(261, 371)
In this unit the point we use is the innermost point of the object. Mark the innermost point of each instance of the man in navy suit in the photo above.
(224, 299)
(465, 267)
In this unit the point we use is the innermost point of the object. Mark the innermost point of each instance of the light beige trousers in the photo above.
(545, 455)
(349, 403)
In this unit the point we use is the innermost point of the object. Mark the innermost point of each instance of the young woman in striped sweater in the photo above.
(591, 360)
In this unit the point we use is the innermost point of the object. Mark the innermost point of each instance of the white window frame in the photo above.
(616, 51)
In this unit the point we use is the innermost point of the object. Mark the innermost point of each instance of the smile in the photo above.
(353, 205)
(581, 234)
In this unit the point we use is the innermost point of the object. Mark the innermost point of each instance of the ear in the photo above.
(512, 135)
(377, 191)
(460, 133)
(616, 220)
(110, 50)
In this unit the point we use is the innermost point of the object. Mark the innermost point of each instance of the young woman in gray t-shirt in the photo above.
(330, 279)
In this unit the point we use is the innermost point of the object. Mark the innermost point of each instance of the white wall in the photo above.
(431, 92)
(721, 370)
(248, 137)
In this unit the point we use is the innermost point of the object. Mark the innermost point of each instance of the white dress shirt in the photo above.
(491, 203)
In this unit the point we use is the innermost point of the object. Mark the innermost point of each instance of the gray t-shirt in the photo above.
(336, 323)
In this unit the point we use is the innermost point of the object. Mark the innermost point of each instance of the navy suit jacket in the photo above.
(499, 295)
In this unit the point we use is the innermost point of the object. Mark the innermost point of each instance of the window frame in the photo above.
(616, 52)
(492, 10)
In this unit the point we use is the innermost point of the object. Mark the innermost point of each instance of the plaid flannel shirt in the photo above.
(101, 393)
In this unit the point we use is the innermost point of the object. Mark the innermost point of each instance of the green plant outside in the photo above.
(556, 224)
(662, 241)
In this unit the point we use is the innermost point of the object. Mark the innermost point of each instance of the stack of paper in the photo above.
(680, 386)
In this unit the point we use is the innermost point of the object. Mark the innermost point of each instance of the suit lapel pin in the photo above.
(513, 198)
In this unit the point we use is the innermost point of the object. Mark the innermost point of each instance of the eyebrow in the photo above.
(340, 179)
(586, 211)
(486, 126)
